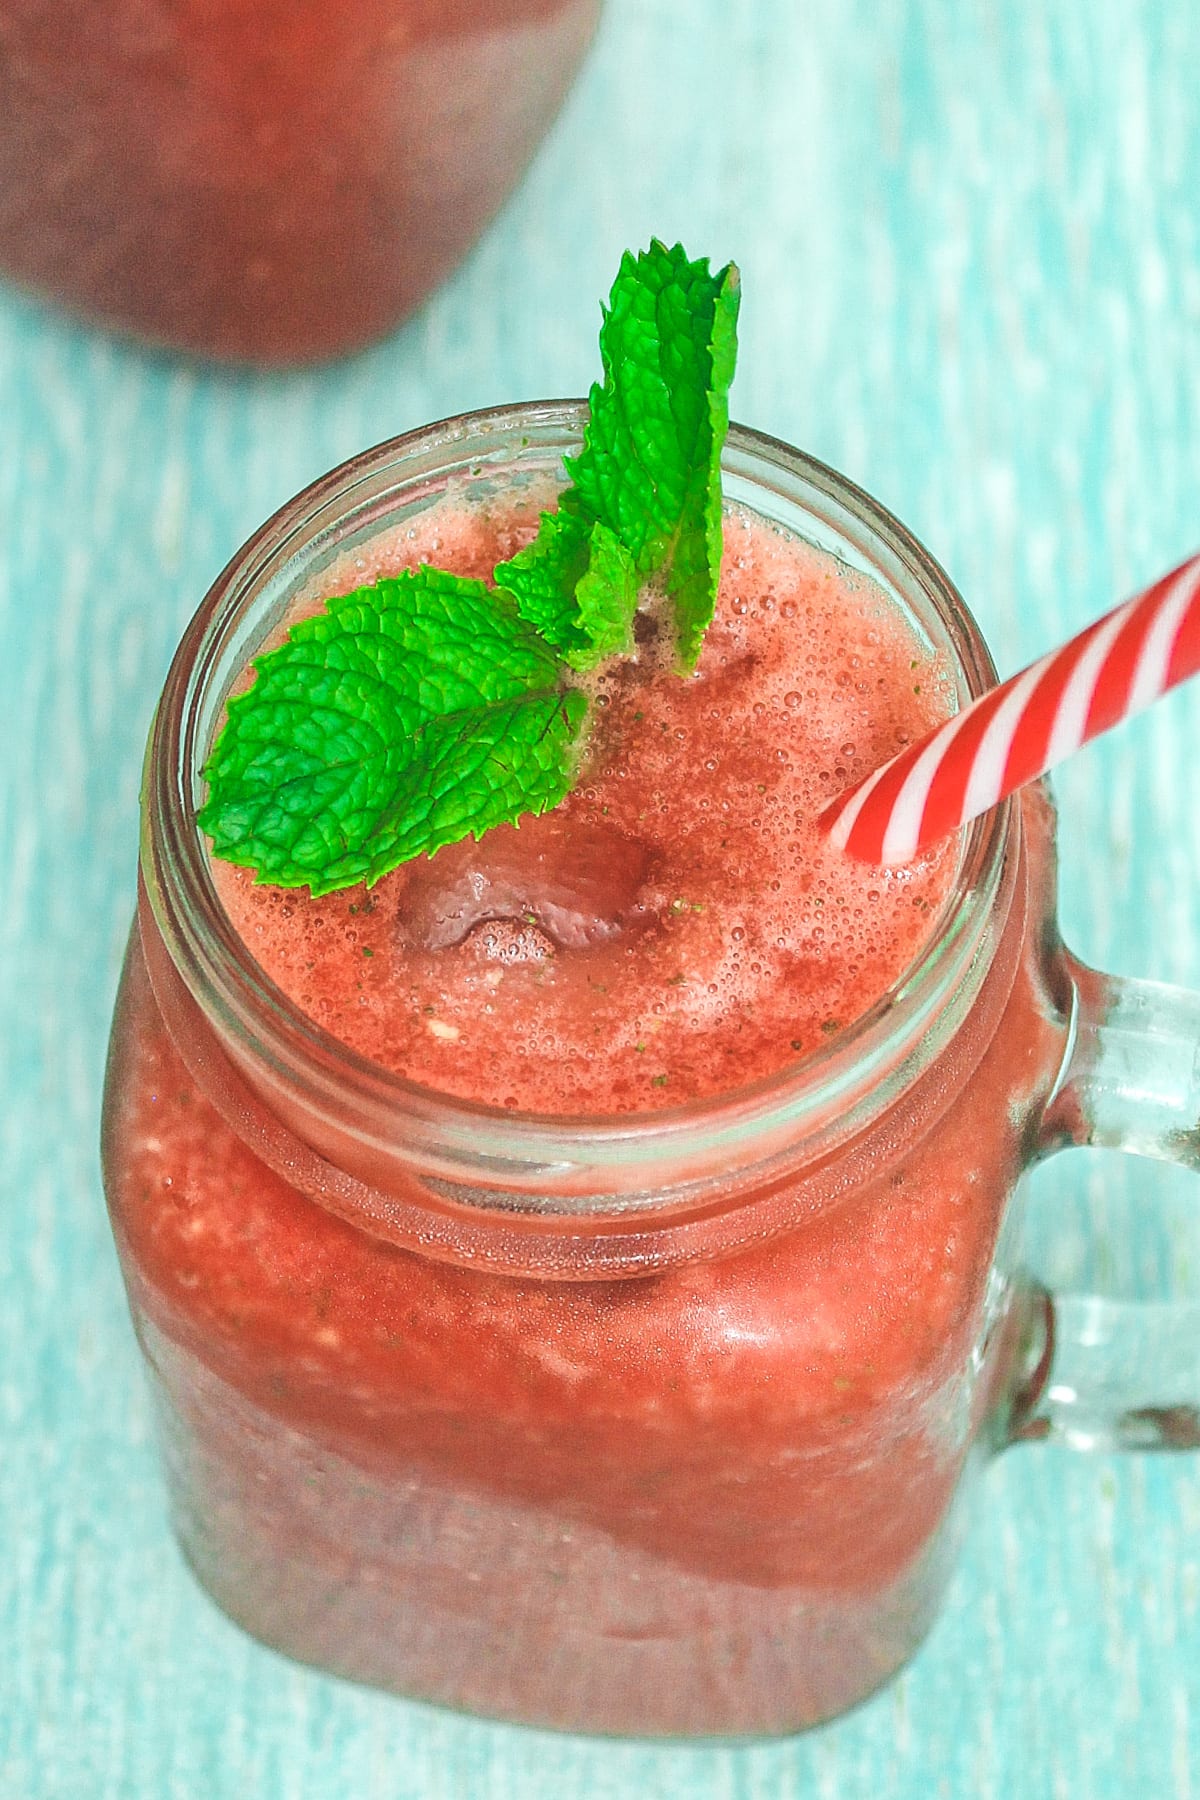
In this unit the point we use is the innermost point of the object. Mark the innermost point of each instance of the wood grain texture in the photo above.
(970, 238)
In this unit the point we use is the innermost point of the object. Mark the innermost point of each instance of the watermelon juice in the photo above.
(573, 1273)
(270, 181)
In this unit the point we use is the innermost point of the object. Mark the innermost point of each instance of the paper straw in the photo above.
(1017, 731)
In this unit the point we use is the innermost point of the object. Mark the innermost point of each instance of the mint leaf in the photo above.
(406, 716)
(648, 478)
(576, 585)
(606, 595)
(650, 465)
(543, 576)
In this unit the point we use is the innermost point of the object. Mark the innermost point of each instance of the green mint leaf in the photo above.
(543, 576)
(647, 480)
(577, 586)
(650, 465)
(606, 595)
(405, 716)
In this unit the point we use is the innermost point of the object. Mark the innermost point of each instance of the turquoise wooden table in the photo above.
(970, 238)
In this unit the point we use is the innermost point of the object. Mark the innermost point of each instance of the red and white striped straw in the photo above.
(1017, 731)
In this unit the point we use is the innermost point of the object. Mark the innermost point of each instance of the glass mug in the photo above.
(266, 180)
(656, 1424)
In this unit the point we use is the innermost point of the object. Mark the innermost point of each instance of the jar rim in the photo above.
(238, 998)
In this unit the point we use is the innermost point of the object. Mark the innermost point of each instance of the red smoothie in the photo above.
(713, 1497)
(266, 180)
(677, 927)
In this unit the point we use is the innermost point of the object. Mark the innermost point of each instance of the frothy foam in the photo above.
(755, 940)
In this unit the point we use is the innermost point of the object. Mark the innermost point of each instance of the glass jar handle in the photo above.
(1110, 1374)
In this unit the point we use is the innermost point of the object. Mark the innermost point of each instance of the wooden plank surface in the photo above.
(970, 240)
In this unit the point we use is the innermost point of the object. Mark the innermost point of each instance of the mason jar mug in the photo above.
(659, 1423)
(267, 181)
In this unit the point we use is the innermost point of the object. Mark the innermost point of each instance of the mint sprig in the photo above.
(429, 707)
(402, 718)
